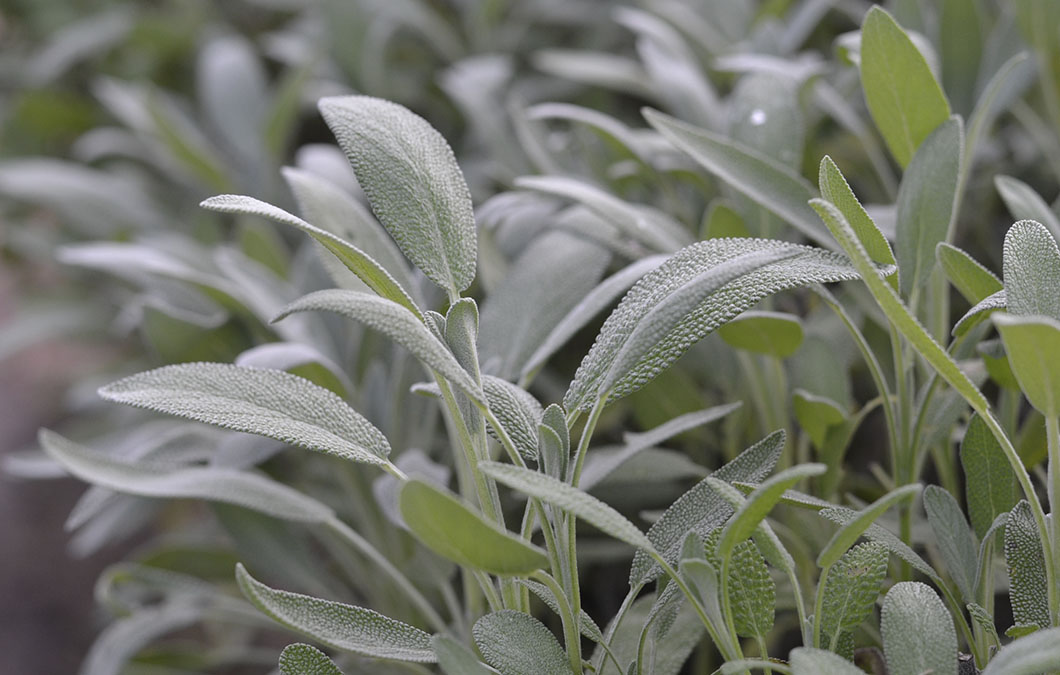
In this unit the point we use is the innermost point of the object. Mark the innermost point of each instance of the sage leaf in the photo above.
(927, 202)
(702, 509)
(396, 322)
(456, 659)
(1031, 262)
(811, 661)
(834, 188)
(413, 183)
(971, 279)
(337, 625)
(775, 187)
(980, 312)
(586, 625)
(687, 297)
(155, 479)
(268, 403)
(1026, 568)
(516, 643)
(1026, 204)
(303, 659)
(573, 500)
(1029, 655)
(517, 411)
(918, 633)
(816, 414)
(771, 333)
(454, 531)
(851, 588)
(1032, 344)
(990, 485)
(752, 591)
(845, 537)
(904, 99)
(954, 539)
(122, 640)
(875, 532)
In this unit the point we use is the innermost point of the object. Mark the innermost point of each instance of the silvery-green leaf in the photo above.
(752, 591)
(1026, 204)
(765, 116)
(926, 202)
(843, 539)
(517, 411)
(301, 359)
(413, 183)
(604, 124)
(834, 188)
(980, 312)
(1032, 344)
(123, 639)
(562, 495)
(232, 93)
(852, 587)
(554, 442)
(772, 333)
(990, 485)
(695, 291)
(595, 68)
(396, 322)
(456, 532)
(810, 661)
(1032, 270)
(1030, 655)
(875, 532)
(701, 509)
(768, 543)
(954, 539)
(591, 303)
(586, 625)
(905, 100)
(303, 659)
(516, 643)
(352, 629)
(355, 260)
(967, 274)
(457, 659)
(1026, 568)
(153, 479)
(918, 633)
(269, 403)
(766, 182)
(549, 278)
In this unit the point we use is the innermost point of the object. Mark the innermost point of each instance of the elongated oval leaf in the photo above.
(905, 100)
(454, 531)
(810, 661)
(517, 411)
(851, 588)
(990, 485)
(1032, 270)
(980, 312)
(352, 629)
(456, 659)
(848, 534)
(771, 333)
(967, 274)
(562, 495)
(303, 659)
(269, 403)
(1033, 347)
(954, 538)
(701, 301)
(816, 414)
(1026, 204)
(918, 633)
(147, 479)
(586, 625)
(516, 643)
(1030, 655)
(1028, 591)
(397, 323)
(413, 183)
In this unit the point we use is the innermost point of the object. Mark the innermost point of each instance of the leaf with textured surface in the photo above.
(1026, 568)
(926, 202)
(397, 323)
(454, 531)
(516, 643)
(905, 100)
(303, 659)
(852, 586)
(352, 629)
(562, 495)
(269, 403)
(752, 591)
(990, 485)
(1031, 264)
(846, 536)
(771, 185)
(698, 289)
(702, 509)
(771, 333)
(834, 188)
(457, 659)
(147, 479)
(980, 312)
(810, 661)
(1026, 204)
(517, 411)
(971, 279)
(842, 515)
(1032, 344)
(918, 633)
(413, 183)
(954, 539)
(586, 625)
(1030, 655)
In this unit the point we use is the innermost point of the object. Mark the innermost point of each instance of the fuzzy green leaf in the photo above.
(980, 312)
(954, 539)
(586, 625)
(573, 500)
(810, 661)
(1026, 568)
(413, 183)
(1031, 655)
(905, 100)
(875, 532)
(926, 201)
(852, 586)
(967, 274)
(771, 333)
(454, 531)
(843, 539)
(752, 591)
(456, 659)
(1031, 263)
(1032, 344)
(397, 323)
(698, 289)
(353, 629)
(834, 188)
(516, 643)
(918, 633)
(517, 411)
(268, 403)
(303, 659)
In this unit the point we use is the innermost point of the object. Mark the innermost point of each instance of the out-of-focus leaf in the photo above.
(1026, 204)
(771, 333)
(967, 274)
(1029, 655)
(954, 539)
(990, 485)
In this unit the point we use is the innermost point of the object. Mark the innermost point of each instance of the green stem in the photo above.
(1052, 433)
(730, 652)
(800, 607)
(818, 606)
(571, 634)
(627, 602)
(486, 491)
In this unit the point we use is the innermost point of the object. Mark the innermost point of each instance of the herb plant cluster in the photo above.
(459, 470)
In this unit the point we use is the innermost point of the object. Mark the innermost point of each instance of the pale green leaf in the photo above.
(1030, 655)
(981, 311)
(456, 532)
(961, 47)
(918, 633)
(816, 414)
(1032, 344)
(851, 588)
(516, 643)
(303, 659)
(771, 333)
(954, 539)
(413, 183)
(971, 279)
(843, 539)
(926, 202)
(163, 480)
(563, 496)
(269, 403)
(1031, 264)
(1026, 204)
(905, 100)
(123, 639)
(990, 485)
(752, 591)
(834, 188)
(586, 625)
(337, 625)
(765, 116)
(1026, 568)
(844, 516)
(810, 661)
(397, 323)
(517, 411)
(456, 659)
